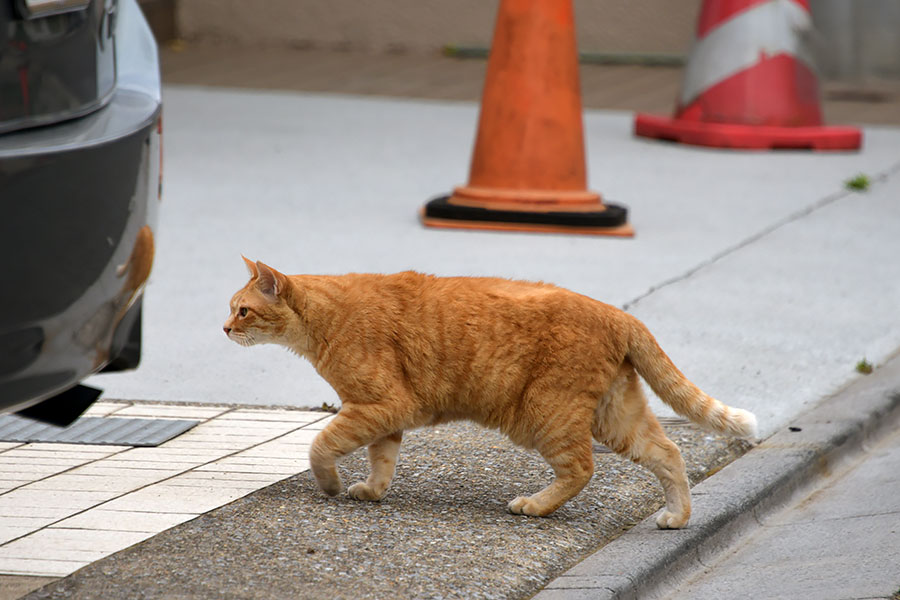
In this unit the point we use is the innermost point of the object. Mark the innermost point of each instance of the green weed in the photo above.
(860, 183)
(864, 367)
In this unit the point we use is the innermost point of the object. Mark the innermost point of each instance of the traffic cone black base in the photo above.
(610, 220)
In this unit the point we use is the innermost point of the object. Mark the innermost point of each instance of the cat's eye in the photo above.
(242, 311)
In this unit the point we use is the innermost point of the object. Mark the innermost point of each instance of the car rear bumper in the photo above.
(80, 204)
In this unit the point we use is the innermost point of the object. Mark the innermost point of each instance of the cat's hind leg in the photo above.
(382, 460)
(626, 424)
(565, 443)
(653, 450)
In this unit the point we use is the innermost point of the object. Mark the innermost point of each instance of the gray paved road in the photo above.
(839, 541)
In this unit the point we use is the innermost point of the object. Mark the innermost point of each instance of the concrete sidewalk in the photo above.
(762, 276)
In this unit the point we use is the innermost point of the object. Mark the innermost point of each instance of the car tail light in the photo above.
(34, 9)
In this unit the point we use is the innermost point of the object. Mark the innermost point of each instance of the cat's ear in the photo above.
(271, 283)
(251, 266)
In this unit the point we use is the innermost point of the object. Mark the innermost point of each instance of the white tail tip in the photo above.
(745, 424)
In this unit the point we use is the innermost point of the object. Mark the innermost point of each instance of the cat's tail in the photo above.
(677, 391)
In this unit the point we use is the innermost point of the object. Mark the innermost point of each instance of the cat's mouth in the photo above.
(244, 339)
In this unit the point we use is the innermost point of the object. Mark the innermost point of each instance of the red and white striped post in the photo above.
(750, 82)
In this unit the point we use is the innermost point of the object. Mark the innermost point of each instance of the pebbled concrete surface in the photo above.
(442, 532)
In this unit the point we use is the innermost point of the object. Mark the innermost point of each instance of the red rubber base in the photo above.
(752, 137)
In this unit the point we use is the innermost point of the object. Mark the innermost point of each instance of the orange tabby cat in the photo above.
(550, 368)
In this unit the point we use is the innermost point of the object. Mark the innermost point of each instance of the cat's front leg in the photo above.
(324, 468)
(382, 460)
(331, 444)
(352, 427)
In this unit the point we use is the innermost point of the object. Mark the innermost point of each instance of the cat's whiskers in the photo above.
(242, 338)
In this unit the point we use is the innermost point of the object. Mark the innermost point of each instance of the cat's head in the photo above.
(260, 311)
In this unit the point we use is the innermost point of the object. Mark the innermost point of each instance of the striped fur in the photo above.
(550, 368)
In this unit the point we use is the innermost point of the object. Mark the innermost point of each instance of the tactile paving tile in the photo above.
(95, 430)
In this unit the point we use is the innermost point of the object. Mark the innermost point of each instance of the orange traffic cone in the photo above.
(750, 82)
(528, 170)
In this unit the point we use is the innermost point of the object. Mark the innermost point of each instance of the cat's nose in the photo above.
(227, 330)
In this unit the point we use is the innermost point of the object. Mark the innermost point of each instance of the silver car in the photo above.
(80, 185)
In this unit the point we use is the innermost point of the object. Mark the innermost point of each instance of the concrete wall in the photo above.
(858, 39)
(654, 26)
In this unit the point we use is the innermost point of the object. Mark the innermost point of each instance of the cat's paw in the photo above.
(331, 487)
(327, 479)
(524, 505)
(669, 520)
(363, 491)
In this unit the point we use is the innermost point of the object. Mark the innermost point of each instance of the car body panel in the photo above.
(79, 200)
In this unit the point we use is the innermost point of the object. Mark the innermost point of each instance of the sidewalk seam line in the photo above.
(753, 238)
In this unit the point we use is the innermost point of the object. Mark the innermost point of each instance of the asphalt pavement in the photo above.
(762, 275)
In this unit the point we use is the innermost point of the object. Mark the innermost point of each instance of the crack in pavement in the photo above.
(787, 220)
